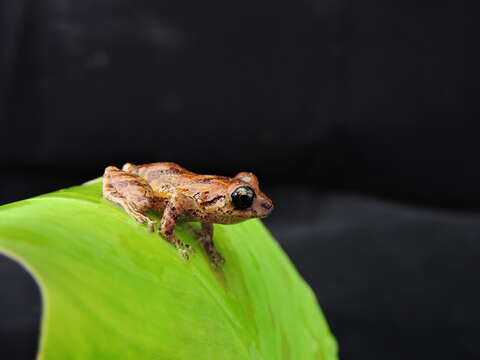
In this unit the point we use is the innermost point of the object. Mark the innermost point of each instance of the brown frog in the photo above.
(182, 195)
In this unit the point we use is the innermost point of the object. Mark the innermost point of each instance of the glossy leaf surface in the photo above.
(112, 290)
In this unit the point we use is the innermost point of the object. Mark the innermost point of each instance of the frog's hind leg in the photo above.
(130, 192)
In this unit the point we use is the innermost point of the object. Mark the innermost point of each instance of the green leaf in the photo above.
(112, 290)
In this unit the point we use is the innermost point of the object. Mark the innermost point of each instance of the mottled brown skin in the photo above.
(181, 195)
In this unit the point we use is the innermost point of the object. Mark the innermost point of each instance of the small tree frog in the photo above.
(181, 195)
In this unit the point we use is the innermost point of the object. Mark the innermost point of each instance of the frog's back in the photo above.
(166, 177)
(166, 173)
(158, 168)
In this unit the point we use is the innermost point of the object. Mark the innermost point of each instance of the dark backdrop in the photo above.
(359, 118)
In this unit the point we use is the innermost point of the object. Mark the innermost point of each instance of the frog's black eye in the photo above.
(242, 197)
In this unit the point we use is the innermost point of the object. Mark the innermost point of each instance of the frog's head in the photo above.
(233, 200)
(245, 200)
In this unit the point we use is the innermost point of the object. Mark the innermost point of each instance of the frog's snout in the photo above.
(266, 207)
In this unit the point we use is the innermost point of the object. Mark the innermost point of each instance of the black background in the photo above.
(359, 117)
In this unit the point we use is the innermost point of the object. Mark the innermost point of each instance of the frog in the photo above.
(178, 195)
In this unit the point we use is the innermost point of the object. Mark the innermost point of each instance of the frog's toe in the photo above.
(217, 260)
(184, 253)
(151, 225)
(189, 248)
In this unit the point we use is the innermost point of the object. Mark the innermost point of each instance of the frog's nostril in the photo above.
(267, 205)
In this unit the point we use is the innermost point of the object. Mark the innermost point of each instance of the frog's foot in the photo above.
(217, 259)
(184, 249)
(206, 241)
(189, 248)
(150, 224)
(142, 219)
(184, 253)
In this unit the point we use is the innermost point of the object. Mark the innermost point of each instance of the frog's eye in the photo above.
(242, 197)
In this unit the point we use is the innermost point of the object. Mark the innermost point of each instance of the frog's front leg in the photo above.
(169, 220)
(205, 238)
(129, 191)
